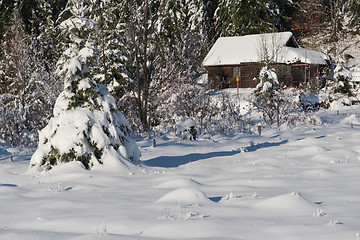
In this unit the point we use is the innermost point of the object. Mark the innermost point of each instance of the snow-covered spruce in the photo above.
(91, 136)
(87, 126)
(342, 78)
(268, 97)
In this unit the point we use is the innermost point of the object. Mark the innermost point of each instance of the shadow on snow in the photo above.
(176, 161)
(8, 185)
(254, 147)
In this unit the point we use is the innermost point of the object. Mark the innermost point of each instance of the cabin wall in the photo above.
(311, 74)
(290, 75)
(219, 77)
(283, 72)
(248, 75)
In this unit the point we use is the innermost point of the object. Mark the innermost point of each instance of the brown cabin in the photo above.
(243, 57)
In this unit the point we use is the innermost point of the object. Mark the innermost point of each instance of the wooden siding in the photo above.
(291, 75)
(219, 77)
(225, 76)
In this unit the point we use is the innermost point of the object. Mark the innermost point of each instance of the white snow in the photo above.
(178, 183)
(184, 195)
(299, 183)
(292, 204)
(245, 49)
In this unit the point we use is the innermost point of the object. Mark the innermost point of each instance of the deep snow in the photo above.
(301, 183)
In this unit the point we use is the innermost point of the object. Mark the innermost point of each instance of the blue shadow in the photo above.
(4, 154)
(215, 199)
(8, 185)
(176, 161)
(253, 148)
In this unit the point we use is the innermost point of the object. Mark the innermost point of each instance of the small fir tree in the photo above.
(87, 126)
(268, 96)
(342, 77)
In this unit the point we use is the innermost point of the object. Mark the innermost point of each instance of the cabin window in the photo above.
(235, 71)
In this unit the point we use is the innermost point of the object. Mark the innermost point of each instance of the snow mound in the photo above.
(352, 119)
(288, 204)
(179, 183)
(339, 155)
(184, 195)
(315, 149)
(318, 173)
(311, 151)
(339, 103)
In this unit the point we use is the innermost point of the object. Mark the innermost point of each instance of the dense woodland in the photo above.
(147, 52)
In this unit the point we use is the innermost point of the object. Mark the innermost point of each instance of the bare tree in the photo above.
(269, 49)
(152, 37)
(30, 86)
(310, 19)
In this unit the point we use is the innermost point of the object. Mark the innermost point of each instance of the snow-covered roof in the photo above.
(250, 48)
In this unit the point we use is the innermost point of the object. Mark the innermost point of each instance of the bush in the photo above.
(186, 128)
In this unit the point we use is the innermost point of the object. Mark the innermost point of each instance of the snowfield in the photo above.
(293, 184)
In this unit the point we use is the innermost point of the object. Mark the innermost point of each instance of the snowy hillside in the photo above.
(298, 184)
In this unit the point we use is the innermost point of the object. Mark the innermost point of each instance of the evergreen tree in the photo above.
(209, 8)
(237, 18)
(109, 40)
(342, 78)
(194, 15)
(44, 21)
(222, 18)
(268, 97)
(283, 11)
(87, 126)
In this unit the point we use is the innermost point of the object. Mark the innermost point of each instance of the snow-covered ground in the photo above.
(301, 183)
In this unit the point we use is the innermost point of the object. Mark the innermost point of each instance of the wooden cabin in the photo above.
(243, 57)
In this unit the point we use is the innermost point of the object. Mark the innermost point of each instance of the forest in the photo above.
(147, 52)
